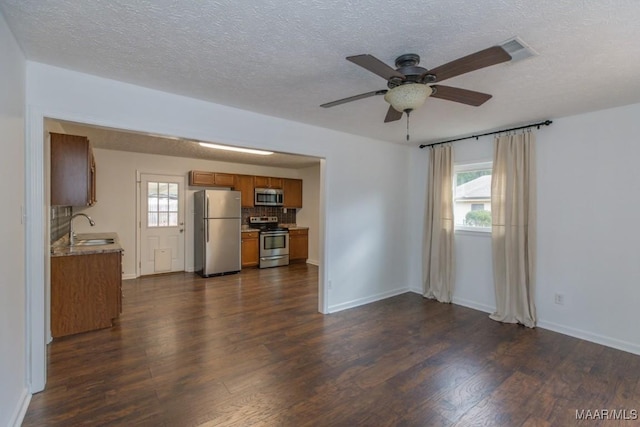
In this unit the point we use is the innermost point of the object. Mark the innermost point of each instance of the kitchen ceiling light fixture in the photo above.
(237, 149)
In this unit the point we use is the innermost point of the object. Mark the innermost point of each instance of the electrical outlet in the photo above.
(559, 299)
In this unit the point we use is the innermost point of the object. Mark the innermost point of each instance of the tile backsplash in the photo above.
(283, 218)
(60, 218)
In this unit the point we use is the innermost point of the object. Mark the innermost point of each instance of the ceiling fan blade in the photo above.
(376, 66)
(463, 96)
(354, 98)
(392, 115)
(475, 61)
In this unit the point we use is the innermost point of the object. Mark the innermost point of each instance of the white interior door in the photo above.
(161, 224)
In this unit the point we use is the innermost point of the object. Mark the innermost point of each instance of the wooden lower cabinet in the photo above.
(86, 292)
(298, 245)
(250, 249)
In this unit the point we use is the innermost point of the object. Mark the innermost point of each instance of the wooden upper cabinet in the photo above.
(292, 189)
(224, 179)
(73, 171)
(267, 182)
(244, 184)
(211, 179)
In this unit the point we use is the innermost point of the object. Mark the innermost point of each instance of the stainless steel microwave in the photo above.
(268, 197)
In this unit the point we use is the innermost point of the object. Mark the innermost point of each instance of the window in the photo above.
(472, 197)
(162, 204)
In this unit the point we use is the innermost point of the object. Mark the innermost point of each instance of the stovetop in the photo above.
(265, 223)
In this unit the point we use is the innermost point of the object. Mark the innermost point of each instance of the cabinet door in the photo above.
(298, 245)
(92, 179)
(250, 249)
(82, 300)
(275, 183)
(292, 193)
(70, 170)
(224, 179)
(261, 181)
(244, 184)
(267, 182)
(200, 178)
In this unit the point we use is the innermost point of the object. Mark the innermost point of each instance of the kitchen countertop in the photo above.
(61, 246)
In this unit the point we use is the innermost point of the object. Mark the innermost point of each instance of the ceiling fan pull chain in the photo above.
(408, 114)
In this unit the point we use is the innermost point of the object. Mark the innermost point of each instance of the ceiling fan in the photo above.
(409, 84)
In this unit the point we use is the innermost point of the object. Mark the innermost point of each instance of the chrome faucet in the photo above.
(72, 234)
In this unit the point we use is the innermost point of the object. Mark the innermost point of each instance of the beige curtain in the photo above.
(513, 209)
(438, 263)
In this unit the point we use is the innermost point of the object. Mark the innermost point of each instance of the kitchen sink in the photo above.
(93, 242)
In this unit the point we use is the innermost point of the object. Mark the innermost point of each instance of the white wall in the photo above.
(115, 210)
(308, 215)
(586, 251)
(14, 397)
(589, 251)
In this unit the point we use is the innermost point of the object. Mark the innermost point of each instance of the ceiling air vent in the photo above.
(518, 49)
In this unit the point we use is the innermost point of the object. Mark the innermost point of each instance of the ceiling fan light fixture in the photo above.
(408, 96)
(237, 149)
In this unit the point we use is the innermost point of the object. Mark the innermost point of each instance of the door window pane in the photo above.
(162, 204)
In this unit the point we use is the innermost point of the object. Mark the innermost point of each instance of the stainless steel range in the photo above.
(274, 241)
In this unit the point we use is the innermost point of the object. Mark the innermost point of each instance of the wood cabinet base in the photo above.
(85, 292)
(298, 245)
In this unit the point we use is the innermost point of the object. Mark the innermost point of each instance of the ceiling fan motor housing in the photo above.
(408, 65)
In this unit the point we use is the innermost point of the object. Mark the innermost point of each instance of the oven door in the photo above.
(274, 248)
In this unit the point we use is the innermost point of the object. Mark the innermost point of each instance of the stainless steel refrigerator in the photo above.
(217, 232)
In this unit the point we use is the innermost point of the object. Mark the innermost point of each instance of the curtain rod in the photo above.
(545, 123)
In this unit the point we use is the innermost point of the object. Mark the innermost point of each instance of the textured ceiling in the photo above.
(284, 58)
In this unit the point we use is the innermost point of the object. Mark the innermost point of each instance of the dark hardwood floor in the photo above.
(251, 349)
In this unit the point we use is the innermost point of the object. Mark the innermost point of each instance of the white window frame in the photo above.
(466, 167)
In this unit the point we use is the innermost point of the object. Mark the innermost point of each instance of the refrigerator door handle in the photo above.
(206, 221)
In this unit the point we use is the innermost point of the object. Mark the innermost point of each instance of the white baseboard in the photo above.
(313, 262)
(128, 276)
(21, 410)
(590, 336)
(473, 304)
(562, 329)
(367, 300)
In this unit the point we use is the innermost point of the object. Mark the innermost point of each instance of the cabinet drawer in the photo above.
(298, 232)
(249, 234)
